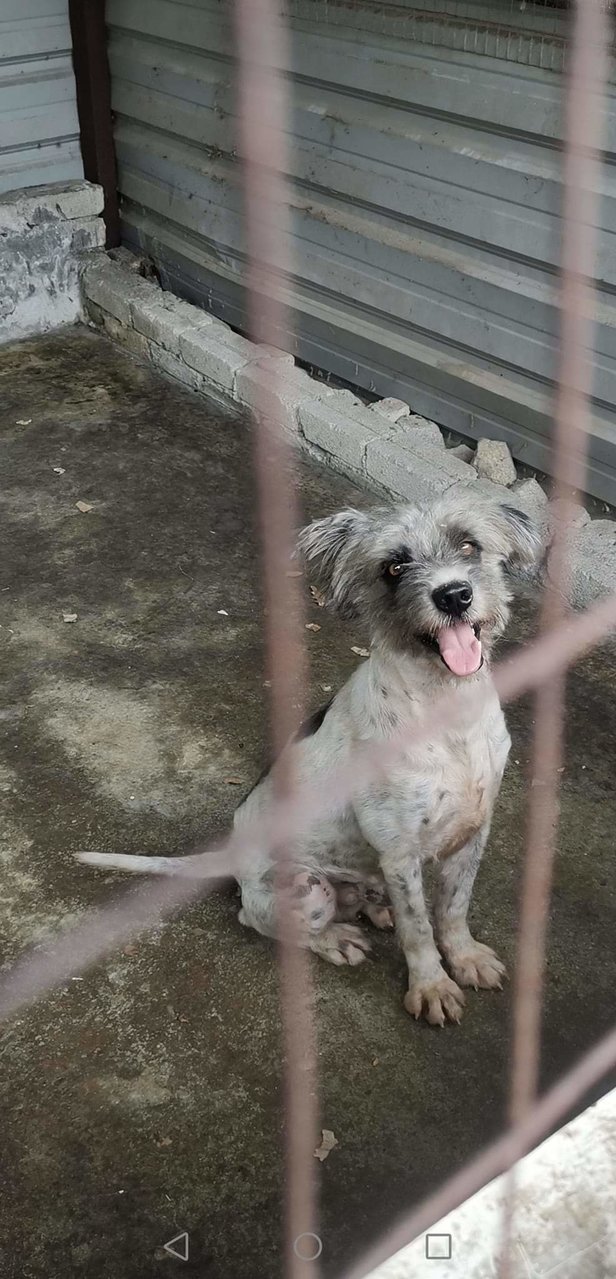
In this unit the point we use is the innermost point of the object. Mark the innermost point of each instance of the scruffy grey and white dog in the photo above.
(432, 587)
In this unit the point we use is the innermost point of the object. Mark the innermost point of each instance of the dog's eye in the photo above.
(395, 570)
(468, 549)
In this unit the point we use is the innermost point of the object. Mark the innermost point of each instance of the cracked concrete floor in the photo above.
(145, 1099)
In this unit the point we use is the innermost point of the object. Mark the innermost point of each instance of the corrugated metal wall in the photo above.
(39, 132)
(426, 200)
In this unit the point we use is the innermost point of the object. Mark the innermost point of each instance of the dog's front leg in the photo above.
(431, 992)
(471, 963)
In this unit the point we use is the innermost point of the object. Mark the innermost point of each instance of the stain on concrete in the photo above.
(145, 1099)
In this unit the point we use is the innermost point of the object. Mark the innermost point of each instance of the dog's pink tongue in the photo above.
(460, 649)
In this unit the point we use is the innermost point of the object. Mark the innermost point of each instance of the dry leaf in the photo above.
(328, 1143)
(361, 652)
(234, 781)
(83, 506)
(312, 626)
(23, 421)
(327, 688)
(129, 950)
(375, 1062)
(317, 595)
(222, 612)
(69, 617)
(59, 470)
(165, 1141)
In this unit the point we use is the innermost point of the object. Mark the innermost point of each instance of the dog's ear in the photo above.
(510, 533)
(331, 548)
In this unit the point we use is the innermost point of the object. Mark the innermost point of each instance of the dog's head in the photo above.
(434, 581)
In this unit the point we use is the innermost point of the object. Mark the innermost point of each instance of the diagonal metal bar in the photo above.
(542, 1116)
(41, 970)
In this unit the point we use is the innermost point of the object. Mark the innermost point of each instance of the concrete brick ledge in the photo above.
(44, 233)
(386, 446)
(564, 1224)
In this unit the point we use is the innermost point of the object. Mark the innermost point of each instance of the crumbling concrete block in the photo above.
(464, 452)
(592, 562)
(411, 475)
(391, 408)
(115, 289)
(277, 392)
(176, 368)
(342, 426)
(420, 434)
(530, 497)
(494, 462)
(164, 319)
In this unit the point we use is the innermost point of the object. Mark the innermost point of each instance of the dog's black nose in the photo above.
(454, 598)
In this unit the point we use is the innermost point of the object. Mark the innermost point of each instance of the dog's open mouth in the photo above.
(459, 646)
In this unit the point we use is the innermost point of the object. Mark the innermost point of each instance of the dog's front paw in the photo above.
(438, 1001)
(477, 966)
(341, 944)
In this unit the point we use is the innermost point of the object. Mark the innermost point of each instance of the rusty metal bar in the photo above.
(263, 110)
(586, 77)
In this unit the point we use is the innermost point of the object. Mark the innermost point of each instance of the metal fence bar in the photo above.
(263, 110)
(587, 68)
(586, 77)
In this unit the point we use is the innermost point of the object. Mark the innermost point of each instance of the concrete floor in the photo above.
(145, 1099)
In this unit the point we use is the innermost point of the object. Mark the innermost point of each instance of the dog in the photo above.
(433, 587)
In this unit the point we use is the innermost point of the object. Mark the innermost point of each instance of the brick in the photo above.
(277, 392)
(128, 338)
(493, 461)
(165, 318)
(419, 434)
(391, 408)
(415, 476)
(176, 368)
(115, 289)
(342, 426)
(218, 357)
(78, 200)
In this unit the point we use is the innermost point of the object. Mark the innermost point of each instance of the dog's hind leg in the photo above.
(312, 898)
(358, 893)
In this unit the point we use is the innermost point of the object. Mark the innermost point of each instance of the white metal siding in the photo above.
(426, 202)
(39, 131)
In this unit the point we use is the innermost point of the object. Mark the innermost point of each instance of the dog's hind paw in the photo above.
(477, 966)
(438, 1001)
(380, 916)
(341, 944)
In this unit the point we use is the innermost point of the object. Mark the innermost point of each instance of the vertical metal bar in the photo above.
(581, 184)
(263, 113)
(581, 178)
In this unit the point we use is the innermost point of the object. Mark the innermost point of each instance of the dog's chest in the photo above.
(465, 774)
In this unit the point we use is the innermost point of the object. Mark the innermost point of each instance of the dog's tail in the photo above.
(138, 864)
